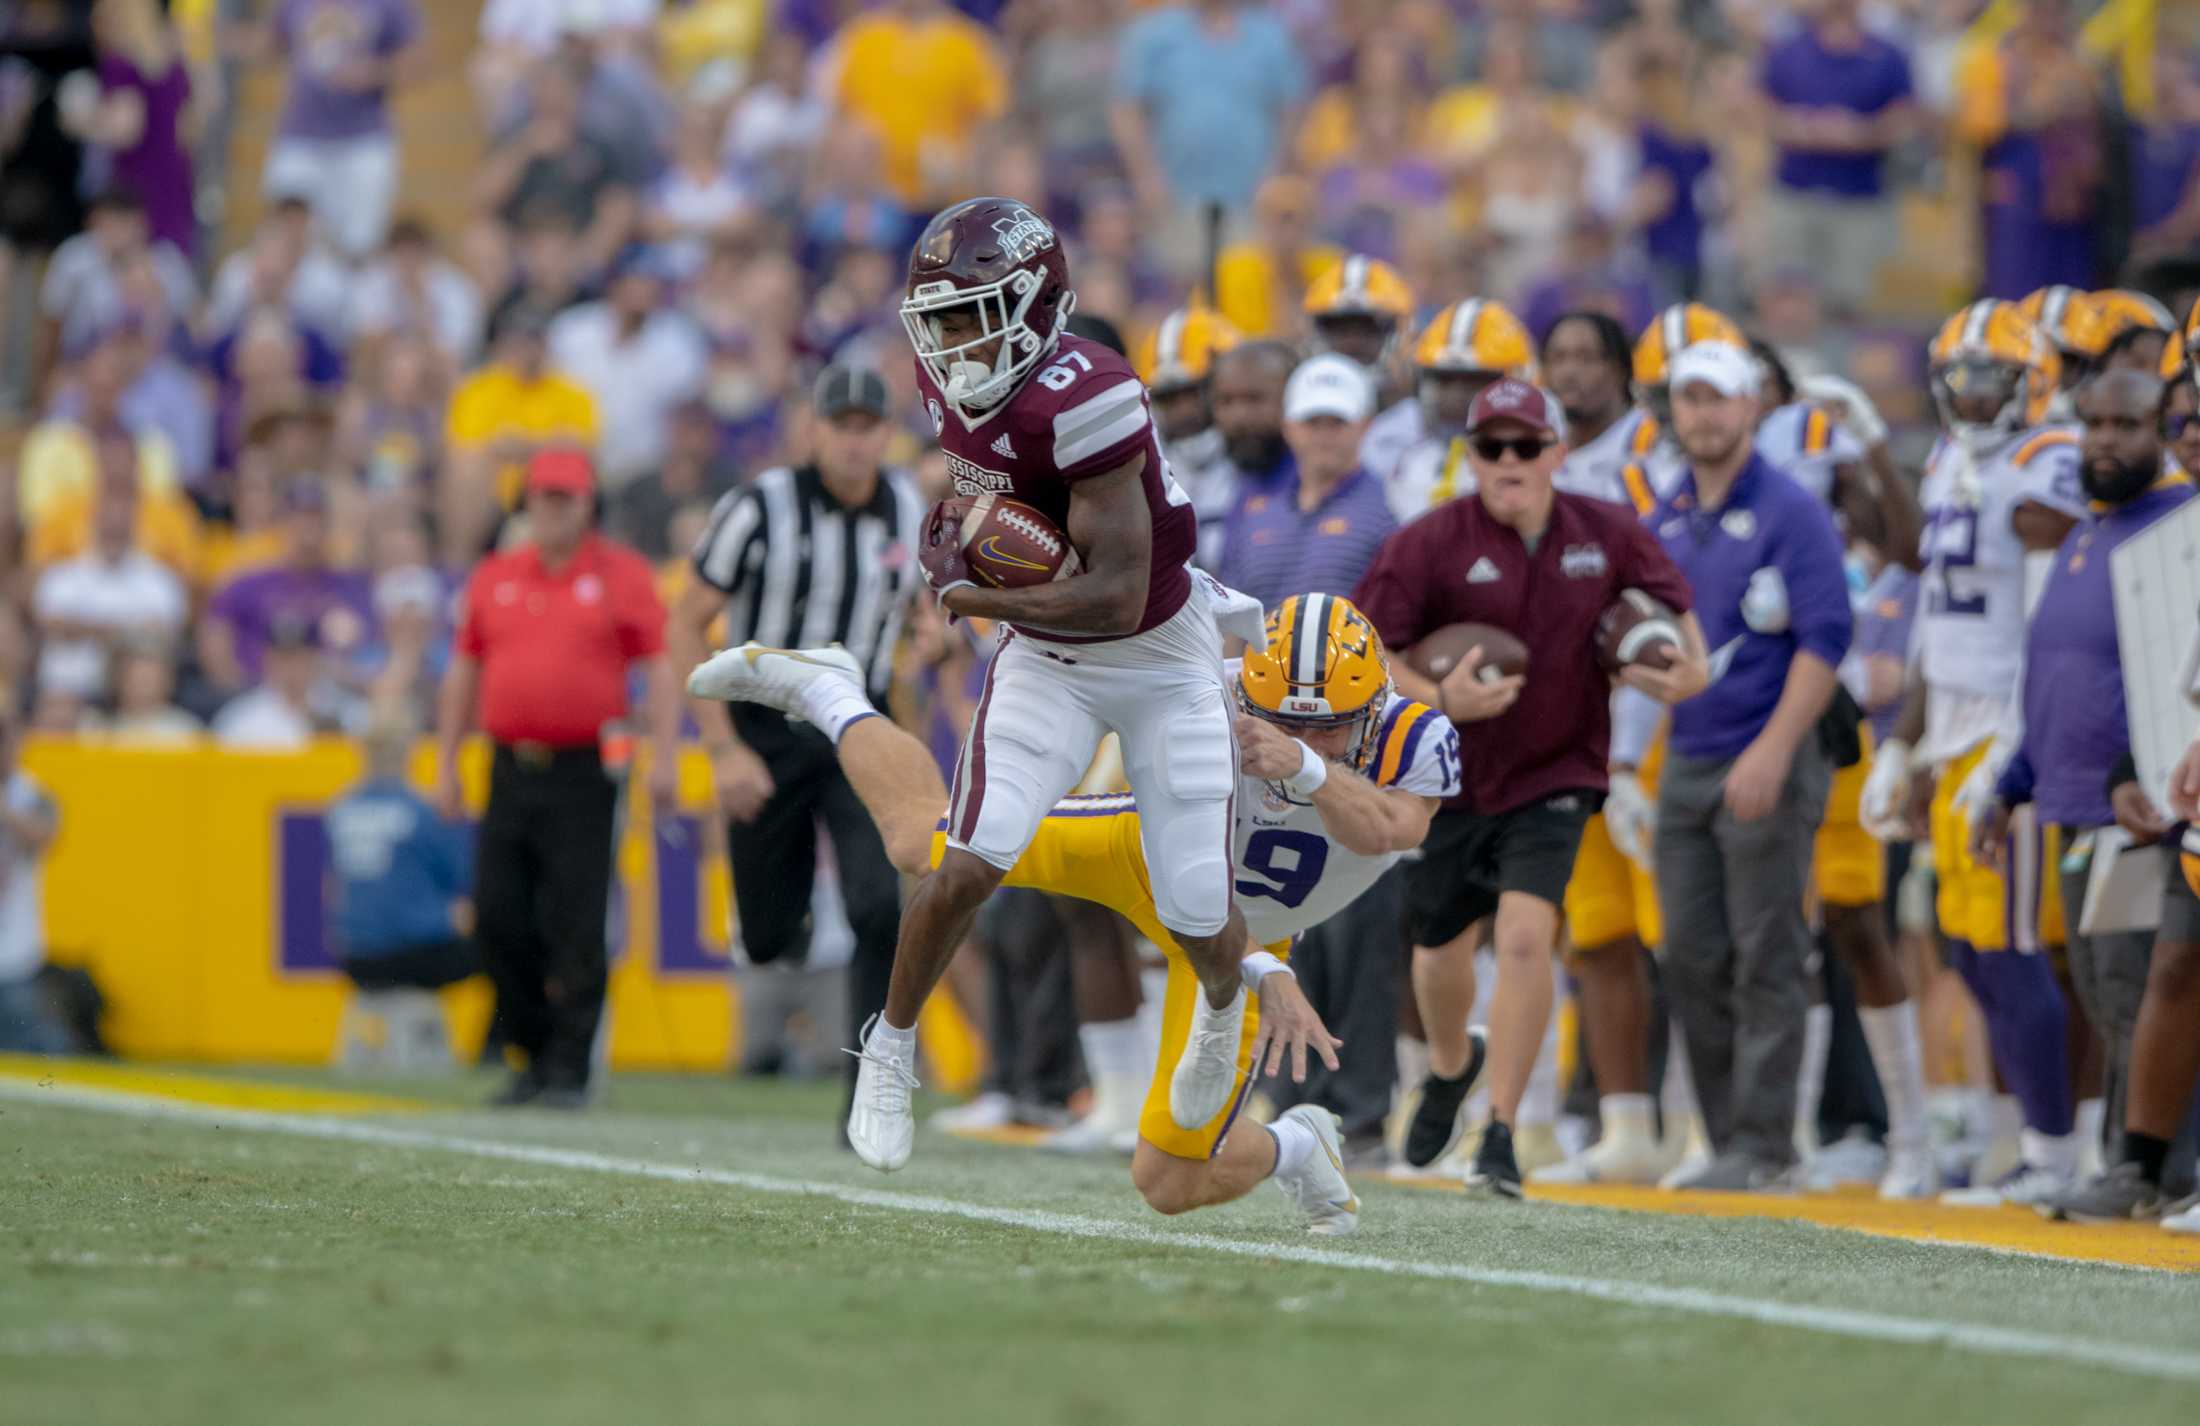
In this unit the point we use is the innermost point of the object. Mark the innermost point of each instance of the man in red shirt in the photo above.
(549, 633)
(1545, 565)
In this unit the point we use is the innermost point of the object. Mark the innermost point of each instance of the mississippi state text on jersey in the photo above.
(1080, 413)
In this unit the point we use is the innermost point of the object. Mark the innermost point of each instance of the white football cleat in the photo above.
(1853, 1158)
(990, 1110)
(881, 1128)
(1912, 1173)
(2027, 1184)
(1199, 1089)
(1319, 1188)
(2184, 1216)
(1093, 1134)
(757, 673)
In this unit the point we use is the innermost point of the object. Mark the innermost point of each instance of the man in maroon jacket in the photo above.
(1545, 565)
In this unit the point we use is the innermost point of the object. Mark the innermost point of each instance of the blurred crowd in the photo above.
(244, 472)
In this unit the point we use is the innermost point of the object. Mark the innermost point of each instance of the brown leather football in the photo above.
(1437, 654)
(1009, 544)
(1638, 629)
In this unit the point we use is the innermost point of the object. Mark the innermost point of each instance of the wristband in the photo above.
(1258, 966)
(1313, 772)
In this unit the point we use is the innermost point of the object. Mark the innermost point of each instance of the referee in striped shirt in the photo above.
(813, 554)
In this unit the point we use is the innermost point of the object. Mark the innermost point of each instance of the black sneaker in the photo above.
(524, 1087)
(1436, 1126)
(1495, 1171)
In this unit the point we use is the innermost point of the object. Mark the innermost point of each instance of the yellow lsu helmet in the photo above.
(1181, 351)
(1476, 335)
(1681, 325)
(2182, 356)
(1322, 667)
(1360, 286)
(2070, 318)
(2119, 309)
(1991, 350)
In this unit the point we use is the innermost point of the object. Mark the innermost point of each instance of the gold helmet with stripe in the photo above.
(1992, 369)
(1357, 308)
(2182, 356)
(1464, 348)
(1681, 325)
(2119, 309)
(2070, 318)
(1323, 668)
(1181, 351)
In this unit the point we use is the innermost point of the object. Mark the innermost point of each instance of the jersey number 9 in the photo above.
(1289, 862)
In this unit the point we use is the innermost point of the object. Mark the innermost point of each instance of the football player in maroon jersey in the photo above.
(1131, 644)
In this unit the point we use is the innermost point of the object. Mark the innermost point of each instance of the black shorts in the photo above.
(1468, 860)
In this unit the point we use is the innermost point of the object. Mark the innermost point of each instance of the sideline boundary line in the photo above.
(2160, 1363)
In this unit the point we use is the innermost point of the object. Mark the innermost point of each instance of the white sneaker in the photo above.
(2186, 1221)
(1606, 1161)
(990, 1110)
(1207, 1072)
(881, 1128)
(1912, 1173)
(1093, 1134)
(1853, 1158)
(2025, 1184)
(756, 673)
(1693, 1165)
(1319, 1187)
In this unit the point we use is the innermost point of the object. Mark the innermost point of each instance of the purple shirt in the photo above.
(2163, 160)
(156, 166)
(1801, 72)
(338, 604)
(322, 37)
(2074, 728)
(1883, 623)
(1272, 550)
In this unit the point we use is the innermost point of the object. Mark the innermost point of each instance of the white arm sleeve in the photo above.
(1636, 718)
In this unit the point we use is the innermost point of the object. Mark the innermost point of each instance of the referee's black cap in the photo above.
(842, 388)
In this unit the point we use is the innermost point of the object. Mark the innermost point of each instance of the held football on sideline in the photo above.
(1009, 544)
(1503, 654)
(1637, 629)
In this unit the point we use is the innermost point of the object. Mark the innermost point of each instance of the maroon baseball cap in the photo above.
(1521, 402)
(561, 468)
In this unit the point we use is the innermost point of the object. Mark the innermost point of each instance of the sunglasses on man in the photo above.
(1493, 448)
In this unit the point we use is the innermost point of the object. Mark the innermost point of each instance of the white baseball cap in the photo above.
(1329, 385)
(1724, 367)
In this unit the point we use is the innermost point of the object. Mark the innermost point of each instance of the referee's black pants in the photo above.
(774, 862)
(542, 893)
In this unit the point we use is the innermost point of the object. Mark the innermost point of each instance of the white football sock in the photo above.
(2056, 1153)
(885, 1034)
(831, 704)
(1810, 1075)
(1899, 1057)
(2093, 1155)
(1294, 1141)
(1626, 1119)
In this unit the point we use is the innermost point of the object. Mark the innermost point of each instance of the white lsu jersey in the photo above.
(1290, 875)
(1627, 464)
(1971, 615)
(1808, 444)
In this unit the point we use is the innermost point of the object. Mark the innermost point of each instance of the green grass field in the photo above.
(700, 1250)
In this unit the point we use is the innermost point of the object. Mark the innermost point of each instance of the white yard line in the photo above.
(1832, 1321)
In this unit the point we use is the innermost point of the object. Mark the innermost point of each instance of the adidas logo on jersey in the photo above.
(1001, 447)
(1484, 572)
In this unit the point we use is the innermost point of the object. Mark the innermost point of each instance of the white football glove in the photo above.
(1887, 792)
(1975, 798)
(1858, 416)
(1631, 818)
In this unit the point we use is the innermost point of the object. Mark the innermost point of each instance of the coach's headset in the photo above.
(1323, 668)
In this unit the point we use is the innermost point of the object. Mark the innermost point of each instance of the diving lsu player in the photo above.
(1338, 778)
(2001, 490)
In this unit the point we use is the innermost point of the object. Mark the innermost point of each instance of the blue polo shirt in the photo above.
(1272, 549)
(398, 868)
(2074, 725)
(1772, 532)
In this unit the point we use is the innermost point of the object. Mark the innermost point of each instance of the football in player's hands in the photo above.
(1008, 544)
(1638, 629)
(1437, 654)
(939, 546)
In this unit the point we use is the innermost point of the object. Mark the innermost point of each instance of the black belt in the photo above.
(543, 757)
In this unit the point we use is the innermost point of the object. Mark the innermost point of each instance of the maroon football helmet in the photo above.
(1001, 259)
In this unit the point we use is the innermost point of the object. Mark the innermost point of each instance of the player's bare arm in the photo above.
(1365, 819)
(1112, 530)
(1880, 507)
(1687, 675)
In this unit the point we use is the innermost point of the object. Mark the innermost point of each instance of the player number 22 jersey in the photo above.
(1290, 875)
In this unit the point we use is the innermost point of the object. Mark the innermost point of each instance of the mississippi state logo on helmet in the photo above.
(1002, 263)
(1322, 667)
(1992, 369)
(1181, 351)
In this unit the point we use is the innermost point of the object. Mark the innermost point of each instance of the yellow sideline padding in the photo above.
(202, 1089)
